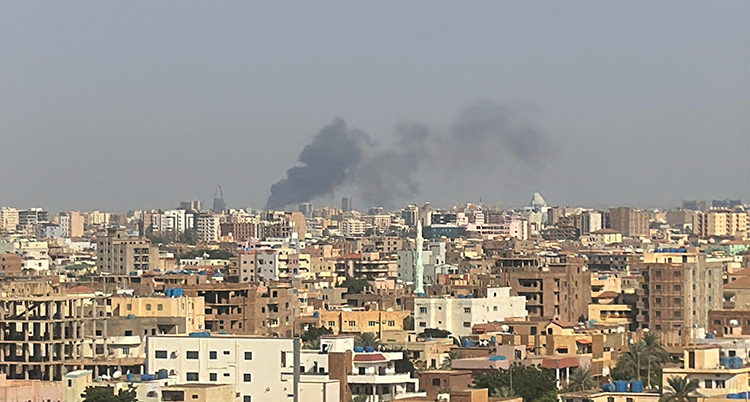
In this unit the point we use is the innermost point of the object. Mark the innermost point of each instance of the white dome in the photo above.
(538, 201)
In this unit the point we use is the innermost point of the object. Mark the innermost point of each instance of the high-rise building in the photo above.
(307, 209)
(346, 204)
(120, 253)
(192, 206)
(629, 221)
(591, 221)
(71, 223)
(208, 226)
(219, 205)
(721, 222)
(8, 220)
(28, 219)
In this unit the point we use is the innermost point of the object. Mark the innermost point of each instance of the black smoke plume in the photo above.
(327, 163)
(482, 134)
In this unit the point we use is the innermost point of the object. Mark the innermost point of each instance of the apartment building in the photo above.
(260, 369)
(679, 289)
(629, 221)
(459, 314)
(361, 321)
(208, 226)
(352, 227)
(71, 223)
(121, 253)
(703, 363)
(8, 220)
(721, 222)
(555, 286)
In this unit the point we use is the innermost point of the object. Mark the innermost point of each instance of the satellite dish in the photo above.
(734, 323)
(505, 328)
(117, 374)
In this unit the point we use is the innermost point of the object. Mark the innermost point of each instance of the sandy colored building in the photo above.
(360, 321)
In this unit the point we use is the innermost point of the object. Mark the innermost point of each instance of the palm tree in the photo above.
(657, 356)
(581, 380)
(447, 362)
(680, 390)
(633, 360)
(313, 344)
(367, 339)
(502, 392)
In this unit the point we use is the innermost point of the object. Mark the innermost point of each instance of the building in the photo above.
(680, 288)
(591, 221)
(458, 315)
(347, 204)
(259, 368)
(555, 287)
(28, 219)
(307, 209)
(121, 253)
(721, 222)
(362, 321)
(71, 223)
(8, 220)
(208, 226)
(629, 221)
(352, 227)
(601, 238)
(11, 264)
(716, 380)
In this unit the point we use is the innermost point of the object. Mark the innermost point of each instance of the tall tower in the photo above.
(219, 205)
(418, 265)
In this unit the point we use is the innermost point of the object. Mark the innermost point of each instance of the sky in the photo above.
(131, 105)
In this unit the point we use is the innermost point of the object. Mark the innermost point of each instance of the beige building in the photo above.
(71, 223)
(601, 238)
(8, 220)
(703, 363)
(721, 222)
(191, 308)
(360, 321)
(121, 253)
(629, 221)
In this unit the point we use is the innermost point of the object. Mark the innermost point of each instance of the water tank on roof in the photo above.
(636, 386)
(725, 361)
(735, 362)
(359, 349)
(460, 296)
(467, 343)
(709, 336)
(608, 387)
(369, 349)
(130, 377)
(621, 386)
(496, 358)
(148, 377)
(168, 292)
(316, 314)
(162, 374)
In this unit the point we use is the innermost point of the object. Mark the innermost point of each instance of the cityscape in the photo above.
(404, 201)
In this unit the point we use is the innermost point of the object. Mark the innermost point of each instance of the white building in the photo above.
(8, 219)
(175, 220)
(591, 221)
(458, 315)
(208, 227)
(352, 227)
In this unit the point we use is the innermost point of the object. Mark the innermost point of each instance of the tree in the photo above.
(435, 333)
(448, 362)
(367, 339)
(647, 356)
(657, 356)
(532, 383)
(680, 390)
(189, 236)
(581, 380)
(360, 398)
(313, 334)
(633, 361)
(354, 285)
(107, 394)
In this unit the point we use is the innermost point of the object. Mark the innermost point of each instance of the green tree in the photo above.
(680, 390)
(532, 383)
(107, 394)
(189, 236)
(581, 380)
(360, 398)
(367, 339)
(311, 337)
(657, 357)
(632, 362)
(435, 333)
(354, 285)
(448, 361)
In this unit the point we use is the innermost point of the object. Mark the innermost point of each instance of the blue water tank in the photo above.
(608, 387)
(725, 361)
(168, 293)
(734, 396)
(460, 296)
(359, 349)
(496, 358)
(736, 362)
(493, 339)
(204, 334)
(709, 336)
(148, 377)
(467, 343)
(130, 377)
(636, 386)
(162, 374)
(179, 292)
(621, 386)
(369, 349)
(742, 395)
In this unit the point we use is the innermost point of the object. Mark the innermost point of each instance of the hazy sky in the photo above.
(126, 105)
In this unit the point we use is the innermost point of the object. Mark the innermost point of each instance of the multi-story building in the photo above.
(590, 221)
(679, 288)
(352, 227)
(208, 226)
(121, 253)
(458, 315)
(8, 220)
(629, 221)
(721, 222)
(173, 221)
(260, 369)
(555, 287)
(361, 321)
(28, 219)
(71, 223)
(240, 231)
(98, 218)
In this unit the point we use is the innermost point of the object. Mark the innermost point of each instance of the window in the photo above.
(391, 323)
(658, 313)
(494, 308)
(717, 322)
(212, 377)
(247, 398)
(610, 399)
(658, 300)
(658, 287)
(161, 354)
(657, 274)
(129, 306)
(467, 324)
(362, 371)
(423, 324)
(246, 377)
(226, 374)
(352, 323)
(331, 324)
(720, 384)
(677, 301)
(372, 323)
(226, 353)
(628, 399)
(160, 307)
(191, 376)
(678, 313)
(248, 355)
(148, 307)
(467, 310)
(191, 355)
(212, 355)
(128, 333)
(435, 382)
(423, 310)
(195, 396)
(678, 288)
